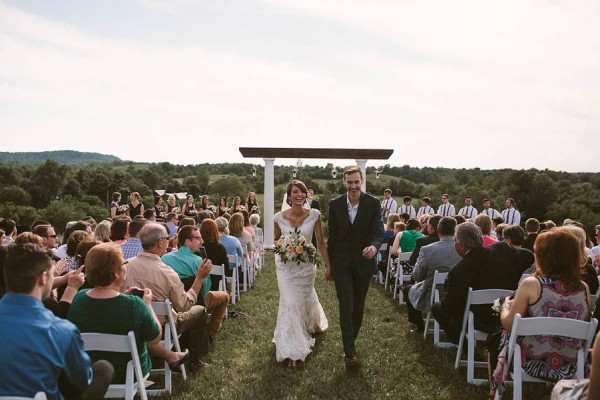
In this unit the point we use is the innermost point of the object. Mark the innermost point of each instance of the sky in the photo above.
(458, 84)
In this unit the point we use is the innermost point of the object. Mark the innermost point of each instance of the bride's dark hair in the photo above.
(299, 184)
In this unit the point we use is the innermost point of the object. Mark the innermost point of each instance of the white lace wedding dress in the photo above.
(300, 314)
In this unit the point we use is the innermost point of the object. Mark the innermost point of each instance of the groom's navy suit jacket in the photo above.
(346, 241)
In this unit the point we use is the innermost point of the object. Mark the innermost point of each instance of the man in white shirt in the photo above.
(388, 205)
(407, 207)
(487, 210)
(446, 209)
(425, 207)
(468, 210)
(510, 215)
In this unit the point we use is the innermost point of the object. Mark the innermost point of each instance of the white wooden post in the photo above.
(269, 203)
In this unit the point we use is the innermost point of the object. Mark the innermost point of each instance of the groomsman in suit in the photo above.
(407, 207)
(388, 205)
(490, 212)
(468, 210)
(425, 207)
(510, 215)
(355, 235)
(446, 209)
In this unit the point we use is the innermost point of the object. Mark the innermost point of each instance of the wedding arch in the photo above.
(269, 154)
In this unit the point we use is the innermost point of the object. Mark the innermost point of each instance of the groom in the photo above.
(355, 235)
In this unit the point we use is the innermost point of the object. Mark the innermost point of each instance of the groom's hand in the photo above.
(369, 252)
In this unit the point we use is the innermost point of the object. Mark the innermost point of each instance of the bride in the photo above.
(300, 314)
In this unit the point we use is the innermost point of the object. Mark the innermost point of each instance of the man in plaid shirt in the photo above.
(132, 247)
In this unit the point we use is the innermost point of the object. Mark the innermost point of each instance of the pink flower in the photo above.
(554, 361)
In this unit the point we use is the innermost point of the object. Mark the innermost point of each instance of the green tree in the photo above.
(229, 186)
(15, 194)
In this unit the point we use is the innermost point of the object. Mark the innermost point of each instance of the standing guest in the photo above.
(490, 212)
(102, 232)
(407, 207)
(388, 205)
(118, 230)
(446, 209)
(510, 215)
(189, 208)
(116, 210)
(185, 262)
(133, 246)
(223, 209)
(52, 358)
(311, 201)
(532, 228)
(148, 271)
(172, 205)
(135, 207)
(425, 207)
(468, 210)
(485, 224)
(236, 206)
(172, 223)
(158, 207)
(215, 251)
(103, 309)
(204, 203)
(252, 204)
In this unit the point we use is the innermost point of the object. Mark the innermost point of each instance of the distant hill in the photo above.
(62, 156)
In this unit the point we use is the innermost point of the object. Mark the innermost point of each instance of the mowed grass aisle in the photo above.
(396, 363)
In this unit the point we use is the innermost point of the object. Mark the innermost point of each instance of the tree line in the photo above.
(62, 192)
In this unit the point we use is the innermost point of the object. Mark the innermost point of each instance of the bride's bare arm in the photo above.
(277, 234)
(323, 248)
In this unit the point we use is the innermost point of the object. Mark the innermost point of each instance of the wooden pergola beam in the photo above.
(348, 154)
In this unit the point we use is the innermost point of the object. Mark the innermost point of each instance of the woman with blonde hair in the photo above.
(102, 231)
(135, 207)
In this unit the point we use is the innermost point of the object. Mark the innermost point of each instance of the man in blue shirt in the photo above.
(133, 246)
(185, 262)
(41, 352)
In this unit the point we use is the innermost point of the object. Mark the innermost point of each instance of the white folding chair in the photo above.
(170, 342)
(37, 396)
(438, 279)
(567, 327)
(380, 254)
(233, 279)
(475, 297)
(401, 278)
(135, 382)
(219, 270)
(594, 298)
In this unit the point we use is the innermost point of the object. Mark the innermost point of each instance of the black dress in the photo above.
(218, 255)
(135, 211)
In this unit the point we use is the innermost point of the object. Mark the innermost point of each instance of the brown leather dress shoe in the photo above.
(352, 363)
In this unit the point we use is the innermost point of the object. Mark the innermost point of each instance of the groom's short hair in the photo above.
(352, 169)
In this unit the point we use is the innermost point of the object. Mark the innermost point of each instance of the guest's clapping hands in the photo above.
(204, 268)
(60, 267)
(76, 278)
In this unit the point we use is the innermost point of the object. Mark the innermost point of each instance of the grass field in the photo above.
(396, 363)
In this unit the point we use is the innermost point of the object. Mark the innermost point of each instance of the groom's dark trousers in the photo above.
(351, 271)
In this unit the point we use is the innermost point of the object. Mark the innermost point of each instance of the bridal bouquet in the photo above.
(123, 209)
(294, 247)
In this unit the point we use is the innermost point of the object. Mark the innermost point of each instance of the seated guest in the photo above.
(499, 231)
(104, 309)
(438, 256)
(52, 358)
(496, 221)
(555, 290)
(389, 227)
(254, 221)
(75, 238)
(532, 228)
(431, 236)
(10, 229)
(2, 237)
(205, 214)
(459, 219)
(498, 266)
(119, 231)
(215, 251)
(148, 271)
(102, 231)
(236, 229)
(132, 247)
(231, 244)
(185, 262)
(172, 223)
(588, 272)
(48, 235)
(150, 215)
(405, 241)
(247, 226)
(485, 224)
